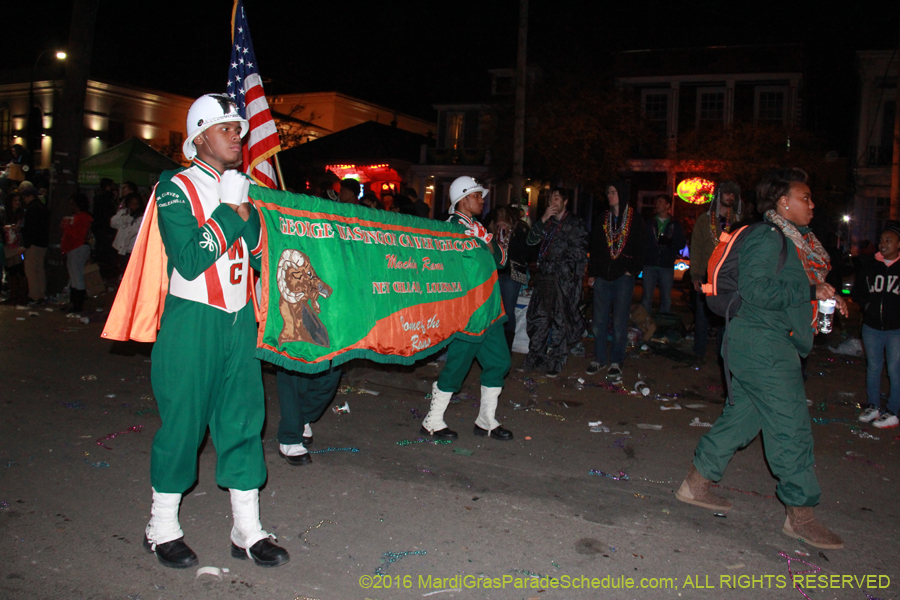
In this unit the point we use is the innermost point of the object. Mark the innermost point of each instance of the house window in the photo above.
(656, 109)
(711, 104)
(771, 104)
(656, 106)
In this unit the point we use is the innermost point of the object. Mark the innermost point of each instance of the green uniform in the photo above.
(203, 371)
(303, 399)
(767, 337)
(490, 350)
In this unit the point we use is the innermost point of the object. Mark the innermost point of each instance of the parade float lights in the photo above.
(696, 190)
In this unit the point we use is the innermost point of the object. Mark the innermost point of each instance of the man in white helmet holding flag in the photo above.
(491, 350)
(203, 371)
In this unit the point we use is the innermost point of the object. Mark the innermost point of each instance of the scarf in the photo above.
(815, 259)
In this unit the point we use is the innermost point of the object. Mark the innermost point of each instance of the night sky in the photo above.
(410, 55)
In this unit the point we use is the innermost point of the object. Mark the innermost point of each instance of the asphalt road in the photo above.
(378, 518)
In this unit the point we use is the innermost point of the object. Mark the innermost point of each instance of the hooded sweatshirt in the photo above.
(631, 259)
(877, 291)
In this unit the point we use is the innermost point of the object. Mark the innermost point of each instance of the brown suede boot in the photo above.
(801, 523)
(695, 490)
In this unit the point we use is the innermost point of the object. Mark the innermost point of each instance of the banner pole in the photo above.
(278, 170)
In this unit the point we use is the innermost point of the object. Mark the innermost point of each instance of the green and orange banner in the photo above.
(342, 281)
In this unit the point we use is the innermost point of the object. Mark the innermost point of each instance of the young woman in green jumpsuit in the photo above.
(772, 330)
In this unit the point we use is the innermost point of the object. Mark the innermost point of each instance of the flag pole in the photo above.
(278, 170)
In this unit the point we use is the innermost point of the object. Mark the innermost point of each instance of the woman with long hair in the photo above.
(771, 331)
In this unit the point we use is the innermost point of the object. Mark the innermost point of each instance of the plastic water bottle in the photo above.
(641, 388)
(826, 315)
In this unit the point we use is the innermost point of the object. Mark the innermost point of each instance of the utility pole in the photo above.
(68, 119)
(519, 135)
(895, 162)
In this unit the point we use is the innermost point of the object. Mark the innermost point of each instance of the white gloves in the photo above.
(233, 187)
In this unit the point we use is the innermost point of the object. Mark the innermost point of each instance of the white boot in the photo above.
(486, 423)
(490, 397)
(307, 431)
(434, 420)
(294, 454)
(163, 526)
(247, 529)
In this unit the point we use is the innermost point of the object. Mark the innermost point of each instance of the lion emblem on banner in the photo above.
(300, 288)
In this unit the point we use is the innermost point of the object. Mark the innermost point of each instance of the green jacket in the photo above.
(774, 323)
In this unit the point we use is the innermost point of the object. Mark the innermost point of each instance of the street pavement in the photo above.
(382, 514)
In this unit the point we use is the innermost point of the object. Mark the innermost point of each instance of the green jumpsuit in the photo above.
(767, 337)
(203, 371)
(490, 350)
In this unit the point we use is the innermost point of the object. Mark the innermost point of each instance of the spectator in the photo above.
(724, 211)
(508, 228)
(665, 241)
(422, 209)
(35, 239)
(404, 205)
(617, 256)
(127, 223)
(14, 250)
(554, 324)
(877, 291)
(75, 231)
(127, 187)
(18, 169)
(349, 191)
(104, 208)
(370, 200)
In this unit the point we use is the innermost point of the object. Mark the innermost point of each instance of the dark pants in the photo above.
(702, 318)
(612, 297)
(303, 399)
(509, 293)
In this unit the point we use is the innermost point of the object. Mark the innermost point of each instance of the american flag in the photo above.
(246, 89)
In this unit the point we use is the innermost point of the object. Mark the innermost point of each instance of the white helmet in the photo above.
(462, 187)
(205, 112)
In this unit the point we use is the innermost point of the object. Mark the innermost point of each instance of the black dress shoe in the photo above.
(442, 434)
(296, 461)
(497, 433)
(264, 553)
(175, 554)
(307, 441)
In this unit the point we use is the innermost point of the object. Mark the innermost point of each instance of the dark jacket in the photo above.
(664, 247)
(631, 259)
(36, 229)
(519, 251)
(877, 291)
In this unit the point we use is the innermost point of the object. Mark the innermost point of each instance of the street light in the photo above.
(30, 137)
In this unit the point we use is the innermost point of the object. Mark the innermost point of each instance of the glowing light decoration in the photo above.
(696, 190)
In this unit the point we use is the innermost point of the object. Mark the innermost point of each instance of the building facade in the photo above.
(688, 95)
(877, 70)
